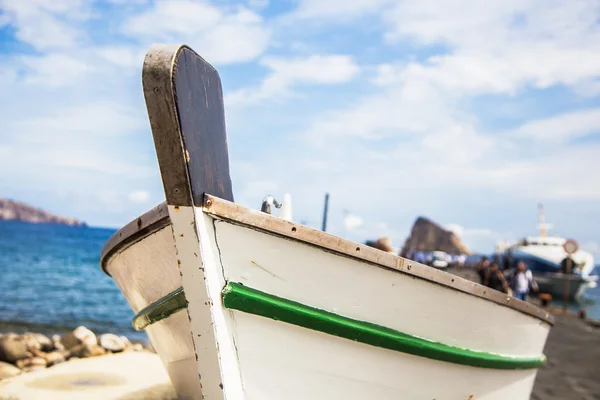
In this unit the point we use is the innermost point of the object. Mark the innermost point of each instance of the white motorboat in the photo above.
(543, 255)
(242, 304)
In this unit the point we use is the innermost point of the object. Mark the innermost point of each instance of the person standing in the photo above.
(494, 278)
(482, 268)
(522, 281)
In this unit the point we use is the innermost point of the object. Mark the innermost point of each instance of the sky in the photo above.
(467, 112)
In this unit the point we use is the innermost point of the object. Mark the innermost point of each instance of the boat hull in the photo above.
(559, 285)
(146, 271)
(267, 358)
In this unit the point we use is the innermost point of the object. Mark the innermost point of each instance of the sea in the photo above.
(51, 282)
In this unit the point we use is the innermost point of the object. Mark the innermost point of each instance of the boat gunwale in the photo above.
(146, 224)
(158, 218)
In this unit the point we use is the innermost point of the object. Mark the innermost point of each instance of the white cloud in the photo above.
(467, 233)
(563, 127)
(220, 36)
(456, 229)
(352, 222)
(55, 69)
(47, 25)
(139, 196)
(317, 69)
(336, 10)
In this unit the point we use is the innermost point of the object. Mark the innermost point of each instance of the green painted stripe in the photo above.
(160, 309)
(239, 297)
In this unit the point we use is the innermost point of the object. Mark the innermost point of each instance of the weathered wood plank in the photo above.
(185, 106)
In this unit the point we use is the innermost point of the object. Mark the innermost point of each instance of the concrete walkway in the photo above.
(131, 375)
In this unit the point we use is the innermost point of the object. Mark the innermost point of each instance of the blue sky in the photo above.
(464, 111)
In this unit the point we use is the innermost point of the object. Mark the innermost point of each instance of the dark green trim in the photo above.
(239, 297)
(160, 309)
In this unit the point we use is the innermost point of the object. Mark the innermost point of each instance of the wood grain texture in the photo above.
(184, 100)
(202, 119)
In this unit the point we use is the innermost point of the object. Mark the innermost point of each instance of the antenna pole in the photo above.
(325, 210)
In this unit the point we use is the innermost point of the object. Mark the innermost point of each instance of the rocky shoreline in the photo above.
(29, 352)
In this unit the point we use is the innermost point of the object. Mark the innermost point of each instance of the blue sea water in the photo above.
(51, 282)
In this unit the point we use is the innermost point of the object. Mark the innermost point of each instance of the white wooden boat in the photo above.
(276, 310)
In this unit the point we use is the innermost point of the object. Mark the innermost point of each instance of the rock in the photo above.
(37, 341)
(112, 342)
(57, 343)
(137, 347)
(81, 335)
(86, 350)
(14, 210)
(56, 357)
(426, 235)
(126, 341)
(8, 370)
(32, 362)
(12, 348)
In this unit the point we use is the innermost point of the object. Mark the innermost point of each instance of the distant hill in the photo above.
(426, 235)
(14, 210)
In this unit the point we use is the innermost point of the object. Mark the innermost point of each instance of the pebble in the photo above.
(8, 370)
(57, 343)
(137, 347)
(80, 335)
(33, 351)
(37, 341)
(12, 348)
(86, 350)
(32, 362)
(56, 357)
(112, 342)
(126, 341)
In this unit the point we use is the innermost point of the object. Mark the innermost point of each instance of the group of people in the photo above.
(519, 283)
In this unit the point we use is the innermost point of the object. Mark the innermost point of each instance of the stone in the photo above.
(8, 370)
(80, 335)
(137, 347)
(56, 357)
(57, 343)
(126, 341)
(37, 341)
(12, 348)
(86, 350)
(32, 362)
(112, 342)
(426, 235)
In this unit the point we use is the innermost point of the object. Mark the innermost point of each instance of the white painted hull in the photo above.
(145, 272)
(259, 358)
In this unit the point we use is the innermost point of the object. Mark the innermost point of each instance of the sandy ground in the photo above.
(573, 368)
(130, 375)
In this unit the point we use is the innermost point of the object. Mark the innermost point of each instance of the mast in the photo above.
(542, 225)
